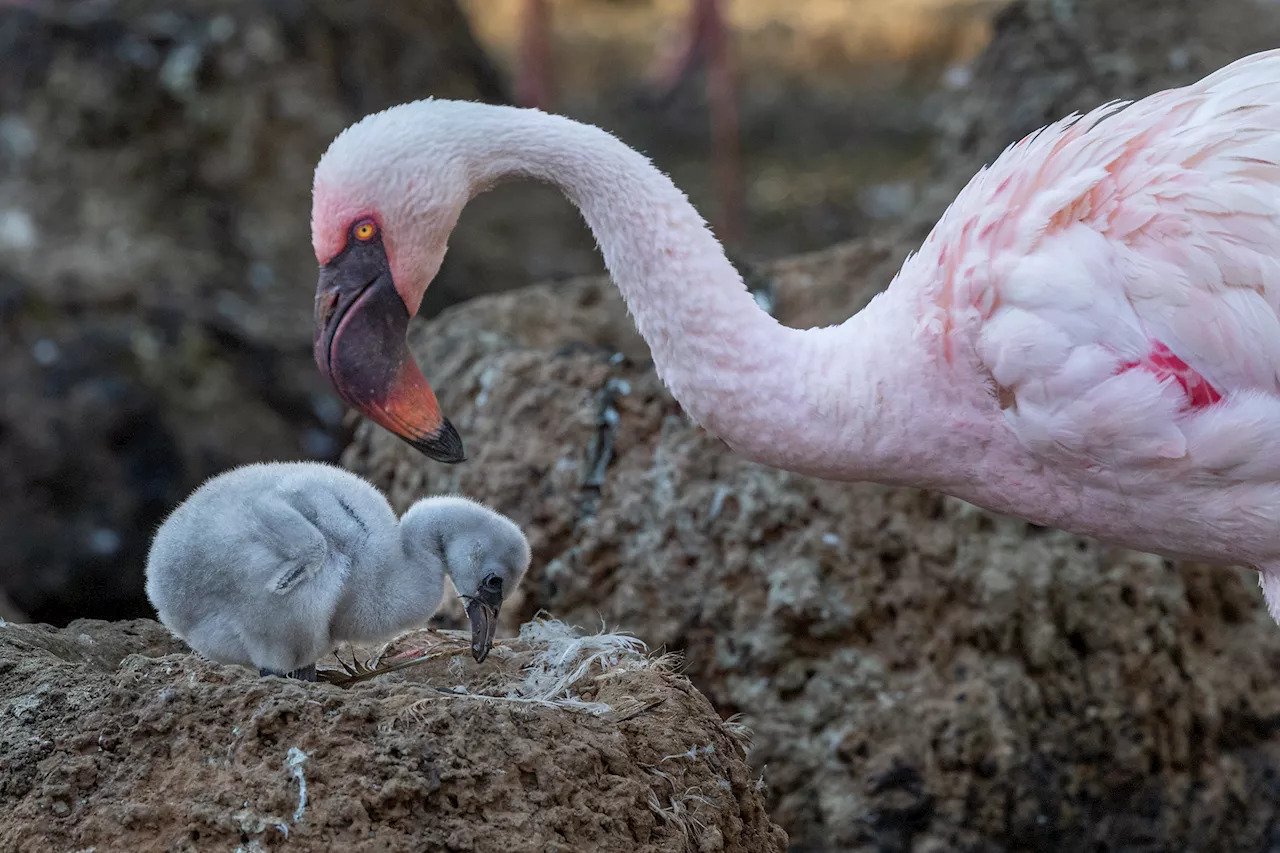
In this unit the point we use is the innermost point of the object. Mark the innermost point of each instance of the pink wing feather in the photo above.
(1118, 275)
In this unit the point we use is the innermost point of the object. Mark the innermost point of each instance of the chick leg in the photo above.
(307, 673)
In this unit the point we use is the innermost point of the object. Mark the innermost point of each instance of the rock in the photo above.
(155, 293)
(91, 642)
(9, 613)
(920, 675)
(112, 736)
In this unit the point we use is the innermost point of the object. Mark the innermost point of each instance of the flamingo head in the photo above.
(382, 210)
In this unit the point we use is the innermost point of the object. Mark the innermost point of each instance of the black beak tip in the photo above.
(479, 652)
(443, 445)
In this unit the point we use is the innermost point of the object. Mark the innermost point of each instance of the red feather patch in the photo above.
(1165, 365)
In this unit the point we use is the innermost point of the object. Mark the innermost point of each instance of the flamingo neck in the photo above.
(812, 401)
(399, 585)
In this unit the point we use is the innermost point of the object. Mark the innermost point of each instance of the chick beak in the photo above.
(360, 327)
(482, 613)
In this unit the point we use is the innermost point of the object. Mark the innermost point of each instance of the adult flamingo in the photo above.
(1088, 339)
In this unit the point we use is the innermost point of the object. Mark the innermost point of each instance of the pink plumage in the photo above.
(1089, 338)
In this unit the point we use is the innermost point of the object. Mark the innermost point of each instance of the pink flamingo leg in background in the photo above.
(533, 74)
(707, 40)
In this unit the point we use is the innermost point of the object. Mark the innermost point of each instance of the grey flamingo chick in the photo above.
(274, 564)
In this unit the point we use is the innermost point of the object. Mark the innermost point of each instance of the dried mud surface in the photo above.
(114, 738)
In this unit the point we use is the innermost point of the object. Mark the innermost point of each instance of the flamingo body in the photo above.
(1089, 338)
(1114, 281)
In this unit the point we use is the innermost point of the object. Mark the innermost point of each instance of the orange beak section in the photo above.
(360, 328)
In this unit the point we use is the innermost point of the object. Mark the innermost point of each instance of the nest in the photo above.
(549, 663)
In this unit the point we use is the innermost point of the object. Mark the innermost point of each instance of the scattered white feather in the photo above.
(561, 660)
(678, 809)
(567, 658)
(294, 759)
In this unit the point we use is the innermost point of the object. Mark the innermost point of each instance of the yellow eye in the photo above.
(365, 230)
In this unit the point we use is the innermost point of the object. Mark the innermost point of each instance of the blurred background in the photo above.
(156, 275)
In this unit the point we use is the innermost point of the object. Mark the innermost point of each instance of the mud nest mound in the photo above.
(113, 736)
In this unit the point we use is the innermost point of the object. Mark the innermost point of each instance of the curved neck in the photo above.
(421, 544)
(399, 585)
(806, 400)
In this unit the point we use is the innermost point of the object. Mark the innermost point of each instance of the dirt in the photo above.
(114, 737)
(919, 675)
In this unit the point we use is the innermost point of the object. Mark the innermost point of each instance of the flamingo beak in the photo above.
(360, 327)
(482, 613)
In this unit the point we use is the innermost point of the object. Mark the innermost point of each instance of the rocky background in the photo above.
(920, 676)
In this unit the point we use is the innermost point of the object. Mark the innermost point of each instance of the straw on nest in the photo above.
(548, 663)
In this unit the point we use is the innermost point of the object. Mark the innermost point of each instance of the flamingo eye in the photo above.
(365, 230)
